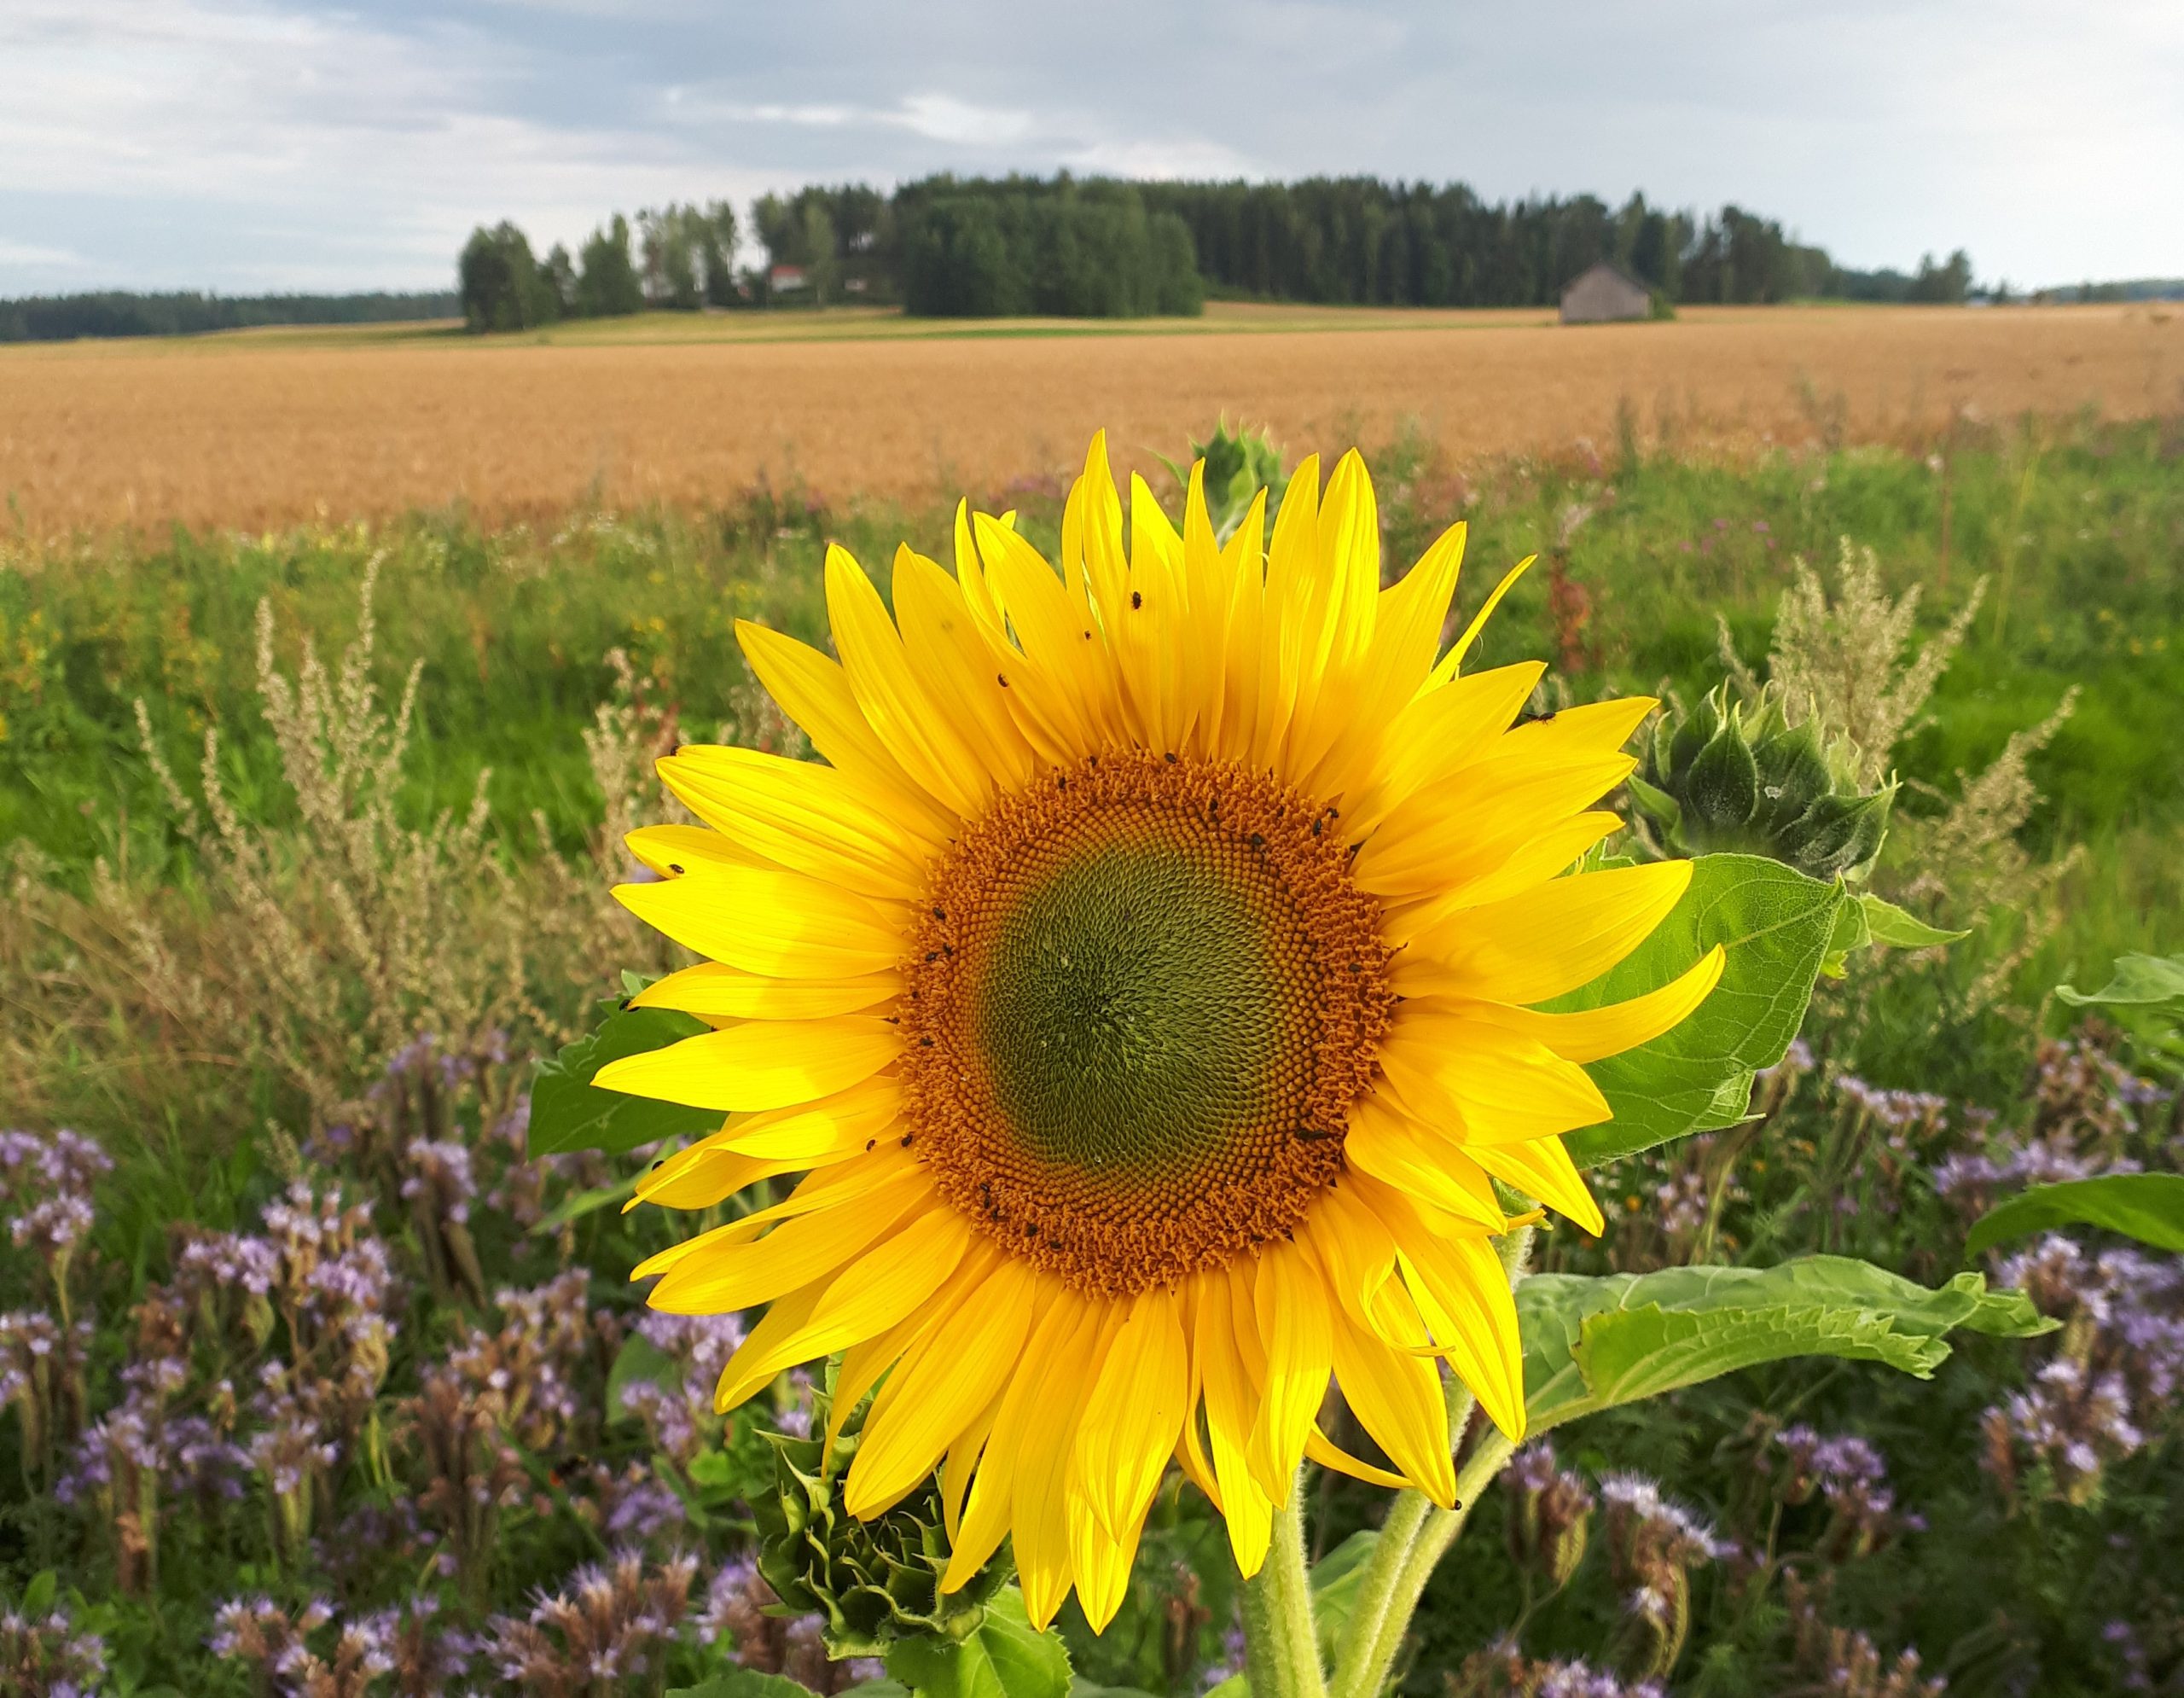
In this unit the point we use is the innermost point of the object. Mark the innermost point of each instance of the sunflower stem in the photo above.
(1416, 1535)
(1281, 1642)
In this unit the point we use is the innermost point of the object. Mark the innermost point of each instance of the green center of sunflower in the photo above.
(1133, 1008)
(1145, 999)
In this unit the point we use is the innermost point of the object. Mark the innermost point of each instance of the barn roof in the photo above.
(1614, 270)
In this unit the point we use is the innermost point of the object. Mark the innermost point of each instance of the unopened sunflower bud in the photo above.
(1740, 776)
(873, 1581)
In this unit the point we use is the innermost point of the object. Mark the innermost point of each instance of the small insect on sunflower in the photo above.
(1143, 986)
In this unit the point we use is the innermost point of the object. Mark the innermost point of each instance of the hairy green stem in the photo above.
(1376, 1591)
(1281, 1648)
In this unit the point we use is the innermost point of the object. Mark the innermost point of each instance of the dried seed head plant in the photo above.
(327, 931)
(1840, 659)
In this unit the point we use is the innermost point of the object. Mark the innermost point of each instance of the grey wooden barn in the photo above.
(1604, 293)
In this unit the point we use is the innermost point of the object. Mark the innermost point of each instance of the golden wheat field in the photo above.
(256, 429)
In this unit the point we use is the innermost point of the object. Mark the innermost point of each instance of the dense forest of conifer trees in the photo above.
(1064, 247)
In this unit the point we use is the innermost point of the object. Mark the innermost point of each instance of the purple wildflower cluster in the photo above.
(44, 1653)
(678, 1411)
(46, 1182)
(2111, 1385)
(1503, 1671)
(1653, 1544)
(1848, 1476)
(1550, 1515)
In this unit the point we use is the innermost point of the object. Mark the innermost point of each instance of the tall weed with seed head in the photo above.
(321, 937)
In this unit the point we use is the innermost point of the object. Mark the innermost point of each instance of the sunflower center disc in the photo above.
(1142, 1003)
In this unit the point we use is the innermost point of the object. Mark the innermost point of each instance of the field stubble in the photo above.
(255, 431)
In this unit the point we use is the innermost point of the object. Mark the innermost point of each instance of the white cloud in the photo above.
(281, 144)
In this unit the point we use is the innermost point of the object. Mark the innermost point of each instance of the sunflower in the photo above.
(1143, 986)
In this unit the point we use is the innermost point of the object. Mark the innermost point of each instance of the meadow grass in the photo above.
(244, 1089)
(2074, 528)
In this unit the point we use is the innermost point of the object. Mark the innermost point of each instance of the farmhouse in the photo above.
(1604, 293)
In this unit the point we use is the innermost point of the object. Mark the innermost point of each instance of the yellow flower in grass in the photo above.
(1143, 987)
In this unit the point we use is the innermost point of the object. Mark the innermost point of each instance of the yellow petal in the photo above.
(781, 924)
(1593, 728)
(1435, 734)
(890, 1280)
(1327, 1454)
(940, 1387)
(1397, 1397)
(1593, 1033)
(894, 697)
(1531, 947)
(1289, 1305)
(672, 850)
(731, 1276)
(825, 1189)
(764, 1064)
(1478, 1083)
(1231, 1397)
(1548, 856)
(1134, 1412)
(1455, 658)
(1473, 821)
(949, 655)
(1462, 1291)
(1019, 1430)
(725, 992)
(806, 817)
(815, 691)
(1542, 1169)
(1386, 1144)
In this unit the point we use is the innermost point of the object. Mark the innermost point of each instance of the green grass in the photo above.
(512, 627)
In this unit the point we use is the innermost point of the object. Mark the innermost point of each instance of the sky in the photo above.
(258, 145)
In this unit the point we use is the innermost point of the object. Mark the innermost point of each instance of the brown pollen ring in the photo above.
(1143, 996)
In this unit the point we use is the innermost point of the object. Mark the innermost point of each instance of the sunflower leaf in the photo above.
(569, 1112)
(1777, 926)
(2155, 981)
(1892, 927)
(2146, 1206)
(1006, 1658)
(1592, 1344)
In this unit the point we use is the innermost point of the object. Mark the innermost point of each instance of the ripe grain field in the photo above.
(258, 429)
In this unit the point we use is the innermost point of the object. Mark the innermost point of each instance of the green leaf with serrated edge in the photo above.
(1591, 1344)
(2136, 981)
(1776, 924)
(2146, 1206)
(569, 1112)
(1006, 1658)
(1892, 928)
(746, 1682)
(1336, 1578)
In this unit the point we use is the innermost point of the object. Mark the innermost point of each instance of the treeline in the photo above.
(1362, 242)
(1091, 247)
(61, 318)
(684, 259)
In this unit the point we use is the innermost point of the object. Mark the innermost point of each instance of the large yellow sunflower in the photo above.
(1142, 985)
